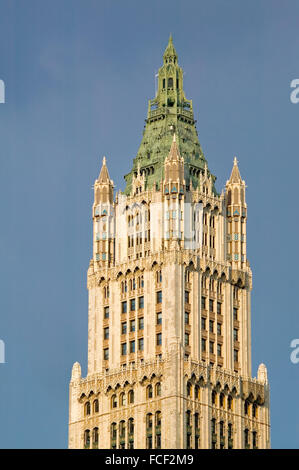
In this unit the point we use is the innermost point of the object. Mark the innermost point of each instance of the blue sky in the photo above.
(78, 74)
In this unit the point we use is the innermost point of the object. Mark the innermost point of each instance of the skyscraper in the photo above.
(169, 316)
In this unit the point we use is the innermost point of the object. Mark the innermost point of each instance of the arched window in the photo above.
(188, 418)
(149, 421)
(96, 406)
(246, 407)
(197, 392)
(214, 397)
(87, 439)
(254, 410)
(221, 428)
(122, 399)
(87, 408)
(95, 438)
(122, 429)
(158, 418)
(113, 435)
(246, 438)
(158, 389)
(189, 390)
(131, 426)
(149, 391)
(113, 401)
(221, 400)
(230, 402)
(131, 397)
(196, 421)
(170, 82)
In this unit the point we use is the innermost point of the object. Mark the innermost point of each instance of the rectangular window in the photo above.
(219, 308)
(186, 339)
(141, 302)
(141, 344)
(211, 305)
(203, 323)
(132, 305)
(159, 318)
(141, 323)
(235, 334)
(219, 328)
(203, 303)
(203, 344)
(187, 318)
(211, 326)
(132, 346)
(159, 339)
(106, 312)
(123, 349)
(159, 297)
(106, 354)
(186, 297)
(219, 350)
(236, 355)
(132, 325)
(124, 307)
(211, 347)
(106, 333)
(124, 328)
(235, 312)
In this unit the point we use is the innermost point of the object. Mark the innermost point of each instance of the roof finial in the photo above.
(104, 160)
(235, 161)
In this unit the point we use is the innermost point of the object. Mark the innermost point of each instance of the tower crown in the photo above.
(170, 111)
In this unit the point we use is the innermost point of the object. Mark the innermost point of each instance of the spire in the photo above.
(174, 153)
(235, 176)
(170, 51)
(104, 175)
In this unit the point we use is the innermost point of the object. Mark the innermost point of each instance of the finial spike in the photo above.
(104, 160)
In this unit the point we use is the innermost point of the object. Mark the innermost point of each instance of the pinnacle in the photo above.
(174, 153)
(104, 175)
(235, 176)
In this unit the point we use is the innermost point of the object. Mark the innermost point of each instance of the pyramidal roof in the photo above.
(104, 174)
(235, 176)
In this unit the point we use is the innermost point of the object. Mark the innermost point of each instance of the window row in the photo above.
(212, 283)
(132, 326)
(95, 438)
(222, 401)
(132, 346)
(220, 436)
(123, 399)
(119, 433)
(254, 440)
(133, 284)
(211, 347)
(153, 430)
(211, 305)
(192, 430)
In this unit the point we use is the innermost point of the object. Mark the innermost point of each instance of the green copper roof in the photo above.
(168, 112)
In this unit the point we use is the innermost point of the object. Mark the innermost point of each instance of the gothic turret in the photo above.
(103, 217)
(236, 217)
